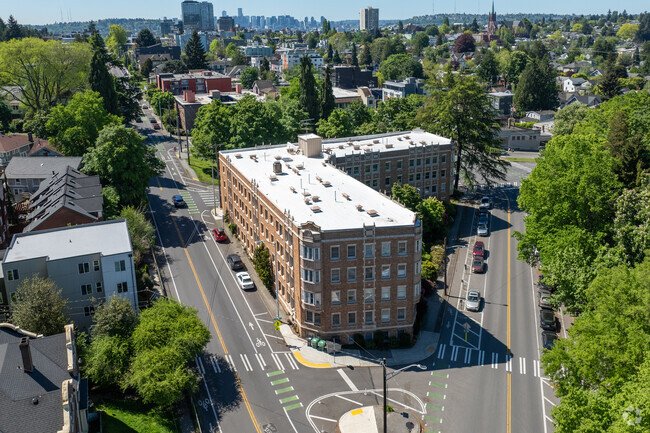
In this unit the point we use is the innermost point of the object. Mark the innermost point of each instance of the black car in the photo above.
(547, 320)
(178, 201)
(235, 263)
(548, 339)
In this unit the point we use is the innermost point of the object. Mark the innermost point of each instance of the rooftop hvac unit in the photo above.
(356, 147)
(300, 166)
(318, 178)
(277, 167)
(346, 195)
(292, 189)
(278, 157)
(399, 138)
(307, 201)
(238, 155)
(359, 208)
(315, 208)
(327, 183)
(375, 141)
(371, 212)
(389, 145)
(315, 198)
(407, 137)
(273, 177)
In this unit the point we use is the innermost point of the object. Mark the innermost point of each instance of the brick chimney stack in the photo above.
(25, 351)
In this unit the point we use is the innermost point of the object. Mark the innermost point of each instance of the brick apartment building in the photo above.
(196, 82)
(346, 258)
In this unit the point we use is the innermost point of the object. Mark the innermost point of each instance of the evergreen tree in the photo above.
(99, 78)
(14, 31)
(355, 59)
(537, 89)
(145, 38)
(610, 85)
(330, 54)
(337, 57)
(327, 104)
(308, 101)
(195, 52)
(488, 68)
(364, 57)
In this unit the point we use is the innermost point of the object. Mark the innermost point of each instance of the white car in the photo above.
(482, 230)
(486, 203)
(244, 280)
(473, 301)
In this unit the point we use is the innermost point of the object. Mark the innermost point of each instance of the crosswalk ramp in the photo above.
(496, 360)
(257, 361)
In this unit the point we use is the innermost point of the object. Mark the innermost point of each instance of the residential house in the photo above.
(403, 88)
(12, 96)
(43, 148)
(257, 51)
(501, 102)
(158, 54)
(203, 82)
(67, 198)
(367, 97)
(40, 386)
(265, 88)
(343, 98)
(590, 101)
(90, 263)
(24, 174)
(539, 116)
(571, 85)
(14, 145)
(514, 137)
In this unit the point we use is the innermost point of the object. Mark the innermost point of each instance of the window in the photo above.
(387, 166)
(385, 293)
(401, 292)
(375, 183)
(399, 165)
(369, 251)
(401, 314)
(86, 289)
(369, 317)
(427, 175)
(375, 168)
(367, 182)
(336, 319)
(418, 177)
(335, 275)
(89, 311)
(435, 159)
(418, 267)
(369, 273)
(411, 177)
(98, 286)
(311, 276)
(385, 249)
(385, 315)
(401, 248)
(443, 187)
(387, 181)
(352, 275)
(418, 245)
(352, 296)
(418, 162)
(417, 290)
(399, 179)
(313, 318)
(367, 169)
(352, 251)
(120, 265)
(401, 270)
(443, 173)
(368, 295)
(443, 159)
(356, 171)
(427, 161)
(85, 267)
(335, 253)
(95, 265)
(385, 272)
(122, 287)
(352, 318)
(336, 297)
(411, 163)
(310, 253)
(12, 274)
(310, 298)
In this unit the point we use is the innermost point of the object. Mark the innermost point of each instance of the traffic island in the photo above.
(369, 419)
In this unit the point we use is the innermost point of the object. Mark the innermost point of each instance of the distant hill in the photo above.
(437, 19)
(133, 25)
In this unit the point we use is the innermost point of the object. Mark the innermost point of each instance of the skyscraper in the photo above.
(369, 19)
(197, 16)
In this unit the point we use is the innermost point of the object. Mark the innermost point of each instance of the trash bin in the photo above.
(314, 342)
(321, 345)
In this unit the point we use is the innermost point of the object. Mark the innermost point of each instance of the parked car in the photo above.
(483, 219)
(153, 120)
(547, 320)
(244, 280)
(219, 234)
(548, 339)
(234, 261)
(145, 106)
(156, 126)
(482, 230)
(473, 300)
(544, 298)
(486, 203)
(178, 201)
(479, 249)
(478, 265)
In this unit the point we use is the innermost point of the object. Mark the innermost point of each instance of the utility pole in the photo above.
(187, 147)
(383, 364)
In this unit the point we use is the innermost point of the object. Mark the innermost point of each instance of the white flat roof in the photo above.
(316, 179)
(387, 142)
(107, 238)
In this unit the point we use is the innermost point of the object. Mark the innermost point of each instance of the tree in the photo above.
(145, 38)
(116, 39)
(488, 68)
(464, 114)
(407, 194)
(108, 359)
(337, 57)
(263, 266)
(609, 85)
(100, 80)
(420, 41)
(235, 55)
(195, 52)
(326, 95)
(45, 73)
(167, 337)
(129, 95)
(141, 232)
(537, 89)
(355, 57)
(248, 77)
(73, 128)
(464, 43)
(253, 124)
(39, 307)
(431, 211)
(175, 67)
(364, 56)
(643, 33)
(568, 117)
(5, 116)
(308, 94)
(115, 318)
(337, 125)
(312, 40)
(628, 150)
(399, 66)
(13, 31)
(211, 127)
(628, 31)
(399, 114)
(330, 53)
(631, 233)
(122, 159)
(146, 68)
(111, 201)
(359, 113)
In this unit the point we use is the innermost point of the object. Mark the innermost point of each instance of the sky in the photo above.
(39, 12)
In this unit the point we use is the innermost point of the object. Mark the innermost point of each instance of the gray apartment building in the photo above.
(369, 19)
(90, 263)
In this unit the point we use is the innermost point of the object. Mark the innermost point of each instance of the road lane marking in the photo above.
(277, 361)
(435, 407)
(495, 360)
(433, 419)
(274, 373)
(292, 363)
(288, 399)
(200, 365)
(397, 402)
(323, 418)
(435, 373)
(260, 360)
(292, 407)
(441, 351)
(347, 380)
(283, 390)
(454, 353)
(215, 364)
(280, 381)
(509, 363)
(481, 357)
(508, 346)
(247, 364)
(546, 398)
(230, 362)
(522, 365)
(438, 384)
(468, 356)
(433, 394)
(348, 399)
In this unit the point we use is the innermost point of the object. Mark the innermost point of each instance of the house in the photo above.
(367, 97)
(14, 145)
(343, 98)
(12, 96)
(40, 386)
(90, 263)
(513, 137)
(43, 148)
(540, 116)
(291, 58)
(501, 102)
(25, 174)
(570, 84)
(264, 88)
(158, 54)
(257, 51)
(403, 88)
(67, 198)
(590, 101)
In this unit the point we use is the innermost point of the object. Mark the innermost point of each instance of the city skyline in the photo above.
(42, 12)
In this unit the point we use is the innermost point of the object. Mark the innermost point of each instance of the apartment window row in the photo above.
(310, 298)
(368, 250)
(311, 276)
(122, 287)
(87, 289)
(368, 317)
(85, 267)
(310, 253)
(368, 295)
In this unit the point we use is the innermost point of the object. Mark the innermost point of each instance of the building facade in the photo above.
(25, 174)
(291, 58)
(403, 88)
(369, 19)
(204, 82)
(346, 258)
(197, 15)
(225, 24)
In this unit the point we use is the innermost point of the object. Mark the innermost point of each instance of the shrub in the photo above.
(359, 340)
(380, 339)
(405, 340)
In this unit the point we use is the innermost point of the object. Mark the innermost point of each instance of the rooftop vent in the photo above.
(318, 178)
(307, 201)
(399, 138)
(422, 142)
(238, 155)
(26, 353)
(278, 157)
(411, 142)
(315, 198)
(376, 141)
(357, 146)
(295, 170)
(292, 189)
(341, 146)
(371, 212)
(327, 183)
(277, 167)
(273, 177)
(300, 166)
(346, 196)
(359, 208)
(315, 208)
(389, 145)
(306, 193)
(407, 137)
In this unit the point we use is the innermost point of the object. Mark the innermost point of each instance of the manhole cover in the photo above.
(269, 428)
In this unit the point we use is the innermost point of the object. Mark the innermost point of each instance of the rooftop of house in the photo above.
(39, 167)
(108, 238)
(40, 144)
(12, 142)
(340, 93)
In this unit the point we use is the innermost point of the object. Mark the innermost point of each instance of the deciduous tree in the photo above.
(464, 43)
(141, 232)
(211, 127)
(337, 125)
(248, 77)
(39, 307)
(263, 266)
(400, 66)
(116, 39)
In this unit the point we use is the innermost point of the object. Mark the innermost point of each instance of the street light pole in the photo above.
(383, 364)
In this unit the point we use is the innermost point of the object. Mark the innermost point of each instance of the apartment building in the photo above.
(89, 263)
(369, 19)
(417, 158)
(203, 82)
(291, 58)
(346, 258)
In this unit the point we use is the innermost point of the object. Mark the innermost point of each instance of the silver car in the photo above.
(482, 230)
(473, 301)
(244, 280)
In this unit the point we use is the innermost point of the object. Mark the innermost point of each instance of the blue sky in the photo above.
(49, 11)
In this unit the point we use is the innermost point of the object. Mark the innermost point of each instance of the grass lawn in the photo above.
(520, 159)
(203, 170)
(131, 416)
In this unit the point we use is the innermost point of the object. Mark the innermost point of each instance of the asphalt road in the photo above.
(250, 382)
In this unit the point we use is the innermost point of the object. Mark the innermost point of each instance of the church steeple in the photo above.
(492, 7)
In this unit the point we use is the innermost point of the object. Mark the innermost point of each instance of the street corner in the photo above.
(370, 419)
(301, 359)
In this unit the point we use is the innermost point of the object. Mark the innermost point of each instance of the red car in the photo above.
(155, 126)
(219, 235)
(479, 249)
(478, 265)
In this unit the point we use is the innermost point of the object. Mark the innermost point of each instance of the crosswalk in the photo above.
(468, 356)
(209, 197)
(189, 201)
(283, 389)
(244, 362)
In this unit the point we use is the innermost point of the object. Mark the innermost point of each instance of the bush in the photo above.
(404, 340)
(233, 228)
(359, 340)
(380, 339)
(393, 343)
(429, 270)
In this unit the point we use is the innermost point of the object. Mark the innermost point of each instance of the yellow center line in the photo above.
(508, 374)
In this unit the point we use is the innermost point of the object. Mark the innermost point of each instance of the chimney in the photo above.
(28, 365)
(29, 137)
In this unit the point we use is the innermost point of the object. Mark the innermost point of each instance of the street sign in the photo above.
(277, 324)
